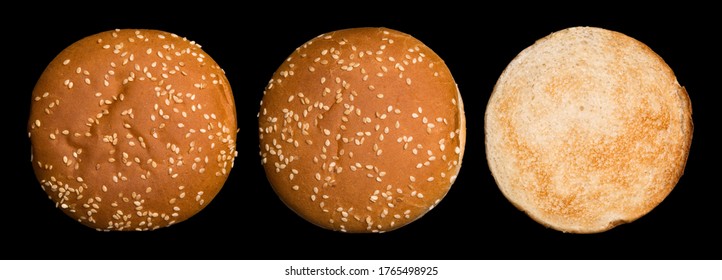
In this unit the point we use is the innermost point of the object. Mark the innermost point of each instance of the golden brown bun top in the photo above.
(362, 130)
(132, 129)
(586, 129)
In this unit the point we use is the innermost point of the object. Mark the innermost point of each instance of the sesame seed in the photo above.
(412, 178)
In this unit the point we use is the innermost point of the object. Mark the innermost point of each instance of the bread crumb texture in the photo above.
(587, 129)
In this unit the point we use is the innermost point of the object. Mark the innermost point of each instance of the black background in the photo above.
(247, 221)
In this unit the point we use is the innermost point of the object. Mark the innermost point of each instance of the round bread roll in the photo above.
(587, 129)
(132, 130)
(362, 130)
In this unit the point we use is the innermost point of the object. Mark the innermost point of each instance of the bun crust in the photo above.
(587, 129)
(362, 130)
(132, 130)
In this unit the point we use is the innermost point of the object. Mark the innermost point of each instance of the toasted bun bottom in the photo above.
(587, 129)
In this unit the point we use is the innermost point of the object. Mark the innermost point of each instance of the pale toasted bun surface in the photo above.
(362, 130)
(587, 129)
(132, 130)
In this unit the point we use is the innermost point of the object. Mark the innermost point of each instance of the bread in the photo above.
(587, 129)
(132, 130)
(362, 130)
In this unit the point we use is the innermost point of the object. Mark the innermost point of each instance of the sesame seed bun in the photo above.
(132, 130)
(362, 130)
(587, 129)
